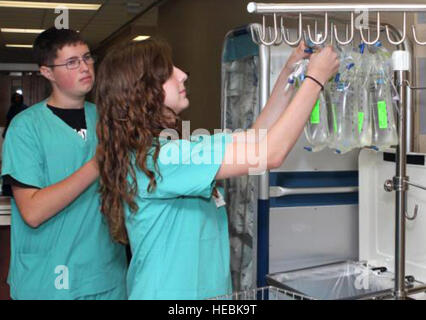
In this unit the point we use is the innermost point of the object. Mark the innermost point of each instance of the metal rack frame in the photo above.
(266, 37)
(264, 293)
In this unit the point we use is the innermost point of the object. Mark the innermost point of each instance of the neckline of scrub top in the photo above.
(67, 127)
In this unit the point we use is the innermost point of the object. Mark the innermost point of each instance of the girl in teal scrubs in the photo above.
(158, 187)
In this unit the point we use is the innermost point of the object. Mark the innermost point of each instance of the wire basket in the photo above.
(263, 293)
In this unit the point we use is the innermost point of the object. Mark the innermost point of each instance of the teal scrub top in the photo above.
(71, 255)
(178, 236)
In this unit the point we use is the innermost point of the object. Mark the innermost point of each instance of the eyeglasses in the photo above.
(74, 63)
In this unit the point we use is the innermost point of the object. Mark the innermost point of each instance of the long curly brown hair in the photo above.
(130, 104)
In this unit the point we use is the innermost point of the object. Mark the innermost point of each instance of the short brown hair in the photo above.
(48, 43)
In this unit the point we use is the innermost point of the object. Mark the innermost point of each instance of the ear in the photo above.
(47, 73)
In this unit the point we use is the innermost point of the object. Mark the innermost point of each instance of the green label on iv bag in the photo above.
(315, 114)
(360, 121)
(382, 114)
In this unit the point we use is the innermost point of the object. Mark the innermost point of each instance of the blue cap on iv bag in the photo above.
(361, 47)
(309, 43)
(378, 44)
(337, 77)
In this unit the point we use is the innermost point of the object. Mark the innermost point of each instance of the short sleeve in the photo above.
(189, 168)
(21, 157)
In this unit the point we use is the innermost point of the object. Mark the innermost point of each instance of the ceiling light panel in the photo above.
(49, 5)
(141, 38)
(17, 30)
(11, 45)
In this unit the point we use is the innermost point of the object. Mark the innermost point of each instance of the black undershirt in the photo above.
(75, 118)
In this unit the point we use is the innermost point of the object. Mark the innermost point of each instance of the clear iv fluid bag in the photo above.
(364, 110)
(344, 106)
(384, 133)
(365, 128)
(317, 131)
(384, 128)
(345, 118)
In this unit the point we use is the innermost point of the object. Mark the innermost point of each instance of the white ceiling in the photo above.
(94, 26)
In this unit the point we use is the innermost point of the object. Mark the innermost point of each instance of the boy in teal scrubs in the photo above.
(158, 188)
(60, 243)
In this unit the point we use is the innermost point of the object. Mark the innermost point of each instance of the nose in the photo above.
(182, 76)
(83, 65)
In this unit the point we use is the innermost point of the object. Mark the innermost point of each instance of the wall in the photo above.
(196, 30)
(5, 92)
(420, 112)
(35, 88)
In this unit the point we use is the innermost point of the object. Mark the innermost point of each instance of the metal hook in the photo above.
(284, 32)
(378, 32)
(318, 43)
(348, 40)
(316, 27)
(413, 29)
(255, 33)
(263, 35)
(416, 207)
(404, 32)
(279, 37)
(416, 210)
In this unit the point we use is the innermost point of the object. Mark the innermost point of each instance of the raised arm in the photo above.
(280, 98)
(246, 155)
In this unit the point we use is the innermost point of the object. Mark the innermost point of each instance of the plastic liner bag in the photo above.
(344, 105)
(342, 280)
(382, 102)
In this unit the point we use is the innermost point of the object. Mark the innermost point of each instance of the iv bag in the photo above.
(364, 111)
(344, 106)
(317, 131)
(297, 75)
(384, 133)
